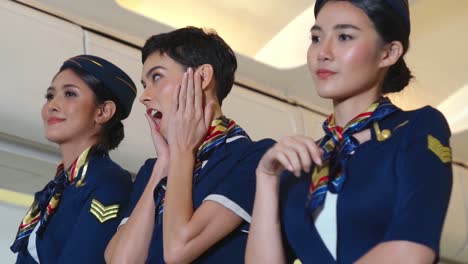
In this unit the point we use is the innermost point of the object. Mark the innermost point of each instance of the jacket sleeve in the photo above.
(237, 190)
(138, 187)
(424, 182)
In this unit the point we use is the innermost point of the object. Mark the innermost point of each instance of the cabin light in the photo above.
(15, 198)
(284, 48)
(288, 48)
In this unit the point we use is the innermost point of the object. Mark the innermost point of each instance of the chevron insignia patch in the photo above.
(442, 152)
(102, 212)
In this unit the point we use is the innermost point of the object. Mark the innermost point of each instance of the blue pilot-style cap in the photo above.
(399, 6)
(112, 77)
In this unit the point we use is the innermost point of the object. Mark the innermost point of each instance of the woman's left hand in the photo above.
(190, 118)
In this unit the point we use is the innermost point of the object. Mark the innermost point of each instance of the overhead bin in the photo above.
(262, 116)
(33, 47)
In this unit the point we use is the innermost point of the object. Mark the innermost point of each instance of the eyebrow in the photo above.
(148, 73)
(339, 26)
(68, 85)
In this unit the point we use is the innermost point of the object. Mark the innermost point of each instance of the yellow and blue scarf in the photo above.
(47, 200)
(338, 145)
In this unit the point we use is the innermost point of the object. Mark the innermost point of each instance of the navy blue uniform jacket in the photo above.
(227, 178)
(75, 234)
(397, 189)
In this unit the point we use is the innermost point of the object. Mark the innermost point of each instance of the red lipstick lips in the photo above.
(54, 120)
(324, 74)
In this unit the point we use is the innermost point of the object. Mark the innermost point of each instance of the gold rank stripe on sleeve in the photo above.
(102, 212)
(442, 152)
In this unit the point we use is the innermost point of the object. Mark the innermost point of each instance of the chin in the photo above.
(55, 140)
(54, 137)
(327, 94)
(333, 92)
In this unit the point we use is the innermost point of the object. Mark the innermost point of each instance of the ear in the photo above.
(207, 74)
(391, 54)
(105, 112)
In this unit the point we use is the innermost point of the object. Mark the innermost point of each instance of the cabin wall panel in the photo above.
(461, 214)
(33, 46)
(262, 116)
(454, 233)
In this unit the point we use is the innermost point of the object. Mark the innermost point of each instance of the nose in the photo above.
(54, 104)
(326, 50)
(145, 97)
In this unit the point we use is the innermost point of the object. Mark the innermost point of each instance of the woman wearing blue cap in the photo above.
(75, 215)
(376, 187)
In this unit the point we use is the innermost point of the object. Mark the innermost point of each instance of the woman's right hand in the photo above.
(292, 153)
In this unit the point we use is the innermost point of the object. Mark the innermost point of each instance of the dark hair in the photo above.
(391, 26)
(192, 47)
(112, 132)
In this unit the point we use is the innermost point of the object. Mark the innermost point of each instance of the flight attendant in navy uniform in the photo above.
(376, 187)
(201, 211)
(72, 219)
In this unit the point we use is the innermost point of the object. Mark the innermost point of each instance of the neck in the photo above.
(214, 104)
(72, 150)
(345, 110)
(217, 112)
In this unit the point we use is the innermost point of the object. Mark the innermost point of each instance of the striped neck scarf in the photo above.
(338, 145)
(222, 130)
(46, 202)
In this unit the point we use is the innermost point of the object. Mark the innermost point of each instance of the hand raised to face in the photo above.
(191, 115)
(160, 143)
